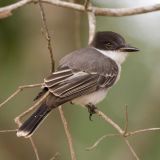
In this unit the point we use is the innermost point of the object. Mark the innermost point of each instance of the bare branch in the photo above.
(118, 128)
(34, 148)
(55, 156)
(69, 138)
(110, 121)
(107, 11)
(18, 118)
(92, 24)
(92, 12)
(86, 4)
(8, 131)
(126, 120)
(47, 36)
(141, 131)
(131, 149)
(6, 11)
(100, 139)
(64, 121)
(20, 88)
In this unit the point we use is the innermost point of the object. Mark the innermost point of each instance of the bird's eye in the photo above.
(108, 45)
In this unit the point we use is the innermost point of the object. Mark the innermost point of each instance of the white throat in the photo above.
(117, 56)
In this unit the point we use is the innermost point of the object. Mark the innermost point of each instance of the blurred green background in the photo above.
(24, 60)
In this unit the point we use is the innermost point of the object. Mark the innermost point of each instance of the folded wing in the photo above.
(66, 83)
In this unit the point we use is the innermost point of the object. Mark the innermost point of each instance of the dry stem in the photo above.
(100, 139)
(6, 11)
(18, 118)
(92, 25)
(55, 156)
(92, 11)
(69, 138)
(34, 148)
(86, 4)
(8, 130)
(64, 121)
(47, 36)
(131, 149)
(20, 88)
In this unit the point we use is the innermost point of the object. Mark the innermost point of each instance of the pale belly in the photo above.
(93, 98)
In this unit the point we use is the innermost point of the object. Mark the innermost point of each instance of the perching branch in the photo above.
(92, 28)
(115, 12)
(92, 12)
(64, 121)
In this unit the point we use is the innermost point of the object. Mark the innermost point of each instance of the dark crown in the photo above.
(108, 40)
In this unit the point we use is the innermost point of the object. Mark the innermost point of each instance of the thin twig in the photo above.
(107, 11)
(8, 131)
(47, 36)
(34, 148)
(115, 12)
(131, 149)
(69, 138)
(7, 11)
(100, 139)
(20, 88)
(18, 118)
(110, 121)
(92, 25)
(141, 131)
(126, 120)
(118, 128)
(55, 156)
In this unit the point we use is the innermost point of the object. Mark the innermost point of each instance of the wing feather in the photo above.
(67, 83)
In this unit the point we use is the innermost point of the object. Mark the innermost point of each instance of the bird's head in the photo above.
(112, 42)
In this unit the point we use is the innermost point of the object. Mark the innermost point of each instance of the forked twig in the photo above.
(20, 88)
(115, 12)
(86, 4)
(18, 118)
(110, 121)
(118, 128)
(92, 12)
(92, 29)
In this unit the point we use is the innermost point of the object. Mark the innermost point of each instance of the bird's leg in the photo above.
(91, 109)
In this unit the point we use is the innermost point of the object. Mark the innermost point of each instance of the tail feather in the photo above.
(31, 124)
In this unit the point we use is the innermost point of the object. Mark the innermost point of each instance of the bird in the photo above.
(82, 77)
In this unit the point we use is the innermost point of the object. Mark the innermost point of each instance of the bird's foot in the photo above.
(91, 109)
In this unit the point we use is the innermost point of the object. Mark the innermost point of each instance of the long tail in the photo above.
(31, 124)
